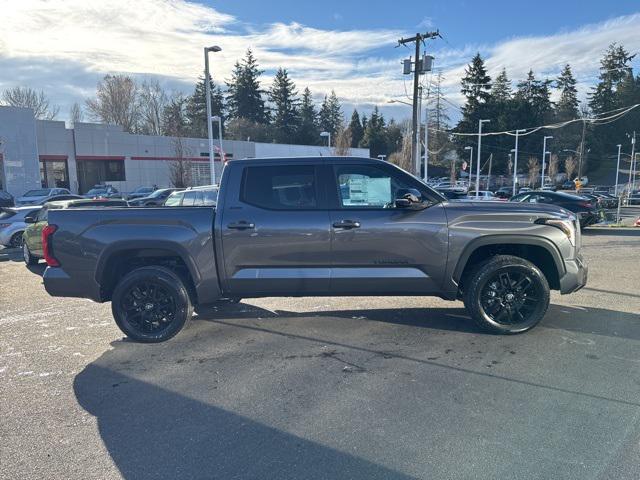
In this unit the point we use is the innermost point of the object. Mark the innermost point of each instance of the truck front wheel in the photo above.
(151, 304)
(506, 294)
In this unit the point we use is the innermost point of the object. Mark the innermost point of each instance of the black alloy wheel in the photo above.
(151, 304)
(507, 294)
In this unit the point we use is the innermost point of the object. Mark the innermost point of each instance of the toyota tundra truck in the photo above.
(329, 226)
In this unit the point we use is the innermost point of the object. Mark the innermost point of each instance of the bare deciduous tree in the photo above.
(570, 165)
(534, 170)
(152, 100)
(76, 115)
(116, 102)
(30, 98)
(402, 158)
(180, 168)
(342, 146)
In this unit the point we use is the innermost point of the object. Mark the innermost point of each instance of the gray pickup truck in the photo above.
(312, 227)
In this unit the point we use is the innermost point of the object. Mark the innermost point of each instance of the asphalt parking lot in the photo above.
(326, 388)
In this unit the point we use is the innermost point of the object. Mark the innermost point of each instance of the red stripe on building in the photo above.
(173, 159)
(53, 158)
(99, 157)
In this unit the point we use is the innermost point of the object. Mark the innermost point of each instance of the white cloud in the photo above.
(64, 46)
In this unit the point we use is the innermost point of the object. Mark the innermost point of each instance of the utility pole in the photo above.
(426, 144)
(418, 150)
(418, 69)
(515, 162)
(615, 191)
(480, 122)
(631, 164)
(544, 156)
(584, 128)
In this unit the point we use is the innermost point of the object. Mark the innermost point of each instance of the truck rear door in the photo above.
(275, 232)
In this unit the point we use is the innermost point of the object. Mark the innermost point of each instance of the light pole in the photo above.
(328, 135)
(470, 161)
(207, 84)
(615, 190)
(544, 156)
(515, 161)
(218, 118)
(480, 122)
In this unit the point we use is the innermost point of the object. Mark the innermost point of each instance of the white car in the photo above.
(12, 224)
(483, 195)
(36, 196)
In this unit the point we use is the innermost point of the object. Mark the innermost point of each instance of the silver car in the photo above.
(40, 195)
(12, 224)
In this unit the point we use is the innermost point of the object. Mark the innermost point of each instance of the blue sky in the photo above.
(65, 46)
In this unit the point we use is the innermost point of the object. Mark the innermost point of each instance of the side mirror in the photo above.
(407, 197)
(29, 219)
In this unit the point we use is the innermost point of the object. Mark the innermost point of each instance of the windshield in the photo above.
(96, 191)
(42, 192)
(143, 190)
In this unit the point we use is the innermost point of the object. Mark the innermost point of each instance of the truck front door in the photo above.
(377, 246)
(275, 231)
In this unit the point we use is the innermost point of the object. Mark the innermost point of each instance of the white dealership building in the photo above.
(43, 153)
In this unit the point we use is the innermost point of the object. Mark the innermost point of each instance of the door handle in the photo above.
(346, 224)
(242, 225)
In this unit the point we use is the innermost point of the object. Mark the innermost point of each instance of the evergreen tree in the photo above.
(394, 136)
(196, 109)
(330, 117)
(355, 126)
(375, 138)
(309, 133)
(174, 121)
(614, 67)
(285, 118)
(244, 96)
(501, 89)
(476, 84)
(567, 106)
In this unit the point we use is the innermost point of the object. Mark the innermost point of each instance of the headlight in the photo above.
(567, 227)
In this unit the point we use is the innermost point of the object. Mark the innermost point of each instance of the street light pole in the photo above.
(544, 156)
(218, 118)
(515, 162)
(207, 84)
(480, 122)
(615, 191)
(633, 154)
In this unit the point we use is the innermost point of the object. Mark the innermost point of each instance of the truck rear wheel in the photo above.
(506, 294)
(151, 304)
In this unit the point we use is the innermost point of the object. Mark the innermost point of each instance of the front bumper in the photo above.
(575, 277)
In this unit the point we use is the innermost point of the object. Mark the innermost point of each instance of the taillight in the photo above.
(47, 233)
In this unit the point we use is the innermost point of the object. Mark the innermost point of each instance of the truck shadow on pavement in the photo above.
(154, 433)
(575, 319)
(162, 414)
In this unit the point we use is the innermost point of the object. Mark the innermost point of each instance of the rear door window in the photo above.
(281, 187)
(174, 200)
(189, 199)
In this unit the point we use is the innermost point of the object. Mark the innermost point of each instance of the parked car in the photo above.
(32, 249)
(524, 189)
(141, 192)
(601, 189)
(585, 209)
(12, 225)
(453, 194)
(103, 191)
(602, 201)
(504, 192)
(57, 198)
(484, 195)
(6, 199)
(568, 185)
(315, 226)
(39, 195)
(205, 196)
(550, 187)
(634, 199)
(155, 199)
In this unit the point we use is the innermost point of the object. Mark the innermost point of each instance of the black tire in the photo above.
(506, 294)
(26, 255)
(151, 304)
(16, 240)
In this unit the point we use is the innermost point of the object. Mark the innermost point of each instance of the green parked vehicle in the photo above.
(32, 248)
